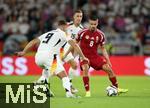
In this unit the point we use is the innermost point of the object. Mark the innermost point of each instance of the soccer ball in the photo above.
(111, 91)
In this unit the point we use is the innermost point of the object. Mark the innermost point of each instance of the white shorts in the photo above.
(45, 61)
(69, 56)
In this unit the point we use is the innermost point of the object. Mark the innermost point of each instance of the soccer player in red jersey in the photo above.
(90, 40)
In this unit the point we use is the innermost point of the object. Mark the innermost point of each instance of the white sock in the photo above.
(42, 78)
(66, 83)
(45, 76)
(71, 73)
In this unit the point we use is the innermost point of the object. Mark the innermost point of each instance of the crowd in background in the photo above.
(126, 23)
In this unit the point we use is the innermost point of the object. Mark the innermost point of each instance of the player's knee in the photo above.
(62, 74)
(73, 64)
(107, 68)
(85, 70)
(110, 72)
(85, 73)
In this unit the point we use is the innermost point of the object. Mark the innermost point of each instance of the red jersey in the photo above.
(89, 41)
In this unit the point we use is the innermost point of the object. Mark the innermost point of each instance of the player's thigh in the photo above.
(97, 62)
(72, 63)
(107, 69)
(57, 70)
(60, 70)
(68, 57)
(41, 61)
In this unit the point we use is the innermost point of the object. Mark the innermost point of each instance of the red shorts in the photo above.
(95, 62)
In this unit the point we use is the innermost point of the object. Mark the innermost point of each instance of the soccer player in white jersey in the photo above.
(48, 54)
(72, 31)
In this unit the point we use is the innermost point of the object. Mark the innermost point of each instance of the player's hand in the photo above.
(86, 59)
(21, 53)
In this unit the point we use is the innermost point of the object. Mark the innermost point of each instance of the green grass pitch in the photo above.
(137, 97)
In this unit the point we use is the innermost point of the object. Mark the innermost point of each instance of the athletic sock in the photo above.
(66, 84)
(86, 83)
(114, 81)
(70, 82)
(42, 78)
(45, 76)
(71, 73)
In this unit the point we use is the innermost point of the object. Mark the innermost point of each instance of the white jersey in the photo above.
(72, 30)
(48, 52)
(52, 41)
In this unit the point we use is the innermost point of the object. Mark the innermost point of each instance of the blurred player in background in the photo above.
(48, 54)
(72, 31)
(90, 40)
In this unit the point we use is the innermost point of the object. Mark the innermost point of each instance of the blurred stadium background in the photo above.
(126, 24)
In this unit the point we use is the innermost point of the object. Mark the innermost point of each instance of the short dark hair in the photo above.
(93, 17)
(78, 11)
(62, 22)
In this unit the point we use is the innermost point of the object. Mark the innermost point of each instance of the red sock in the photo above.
(86, 83)
(114, 81)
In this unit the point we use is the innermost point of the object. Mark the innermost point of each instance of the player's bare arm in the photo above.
(69, 50)
(77, 49)
(105, 54)
(28, 47)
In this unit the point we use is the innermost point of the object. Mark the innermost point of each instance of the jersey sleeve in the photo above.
(102, 39)
(79, 35)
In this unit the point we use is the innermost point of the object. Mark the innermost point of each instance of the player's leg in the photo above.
(73, 66)
(66, 84)
(111, 74)
(45, 76)
(40, 61)
(44, 79)
(72, 70)
(60, 72)
(112, 78)
(85, 69)
(70, 59)
(100, 63)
